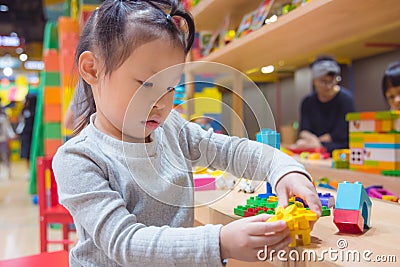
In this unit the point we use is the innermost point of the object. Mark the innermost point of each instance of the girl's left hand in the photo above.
(299, 185)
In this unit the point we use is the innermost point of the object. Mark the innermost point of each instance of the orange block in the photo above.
(52, 95)
(69, 80)
(51, 60)
(67, 25)
(52, 113)
(51, 146)
(378, 126)
(367, 115)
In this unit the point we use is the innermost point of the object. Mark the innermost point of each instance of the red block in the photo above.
(348, 221)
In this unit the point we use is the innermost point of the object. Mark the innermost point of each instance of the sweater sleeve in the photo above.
(239, 156)
(85, 191)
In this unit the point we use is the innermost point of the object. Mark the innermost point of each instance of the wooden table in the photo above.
(382, 239)
(50, 259)
(322, 168)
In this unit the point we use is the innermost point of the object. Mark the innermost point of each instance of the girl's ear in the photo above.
(88, 67)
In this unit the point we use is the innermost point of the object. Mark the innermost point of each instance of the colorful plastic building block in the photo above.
(341, 158)
(269, 137)
(348, 221)
(297, 220)
(325, 183)
(377, 191)
(391, 173)
(352, 202)
(268, 191)
(327, 200)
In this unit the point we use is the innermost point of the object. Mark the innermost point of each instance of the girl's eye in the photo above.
(145, 84)
(170, 89)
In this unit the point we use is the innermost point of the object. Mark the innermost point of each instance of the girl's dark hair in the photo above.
(118, 27)
(391, 78)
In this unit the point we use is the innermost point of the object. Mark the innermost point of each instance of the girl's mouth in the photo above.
(152, 124)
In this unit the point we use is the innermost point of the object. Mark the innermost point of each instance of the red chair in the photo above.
(50, 210)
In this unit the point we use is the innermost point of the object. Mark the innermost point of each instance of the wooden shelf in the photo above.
(209, 14)
(338, 27)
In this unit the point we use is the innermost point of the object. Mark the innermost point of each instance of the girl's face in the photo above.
(132, 101)
(393, 97)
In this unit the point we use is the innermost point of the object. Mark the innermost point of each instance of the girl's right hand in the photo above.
(242, 239)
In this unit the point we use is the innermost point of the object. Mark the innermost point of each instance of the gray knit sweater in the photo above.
(132, 203)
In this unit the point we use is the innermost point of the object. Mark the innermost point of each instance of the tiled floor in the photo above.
(19, 221)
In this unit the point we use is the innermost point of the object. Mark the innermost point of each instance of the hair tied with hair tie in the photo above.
(169, 16)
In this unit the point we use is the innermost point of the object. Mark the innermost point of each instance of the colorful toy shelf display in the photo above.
(374, 141)
(56, 89)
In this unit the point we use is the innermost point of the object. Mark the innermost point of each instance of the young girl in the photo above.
(129, 185)
(391, 85)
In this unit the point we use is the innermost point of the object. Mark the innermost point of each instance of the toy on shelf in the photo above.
(374, 141)
(352, 211)
(341, 158)
(377, 191)
(297, 220)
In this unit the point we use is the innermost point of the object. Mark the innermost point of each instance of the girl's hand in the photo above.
(298, 184)
(242, 239)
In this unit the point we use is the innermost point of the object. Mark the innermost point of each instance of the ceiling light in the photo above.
(23, 57)
(7, 71)
(3, 8)
(267, 69)
(19, 50)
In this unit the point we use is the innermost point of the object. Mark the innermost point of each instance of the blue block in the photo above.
(269, 137)
(327, 200)
(268, 192)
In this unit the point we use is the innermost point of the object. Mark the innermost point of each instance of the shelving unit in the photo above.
(339, 27)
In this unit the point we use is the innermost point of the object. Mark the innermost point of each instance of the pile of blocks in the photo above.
(374, 141)
(352, 209)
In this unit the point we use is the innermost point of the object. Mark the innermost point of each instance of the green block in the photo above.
(371, 163)
(50, 37)
(391, 172)
(52, 130)
(271, 205)
(353, 116)
(325, 211)
(50, 78)
(356, 139)
(341, 164)
(386, 115)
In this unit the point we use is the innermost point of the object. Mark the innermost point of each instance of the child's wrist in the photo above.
(222, 249)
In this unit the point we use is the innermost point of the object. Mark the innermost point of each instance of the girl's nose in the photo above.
(160, 103)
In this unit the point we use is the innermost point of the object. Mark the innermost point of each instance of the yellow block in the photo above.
(208, 101)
